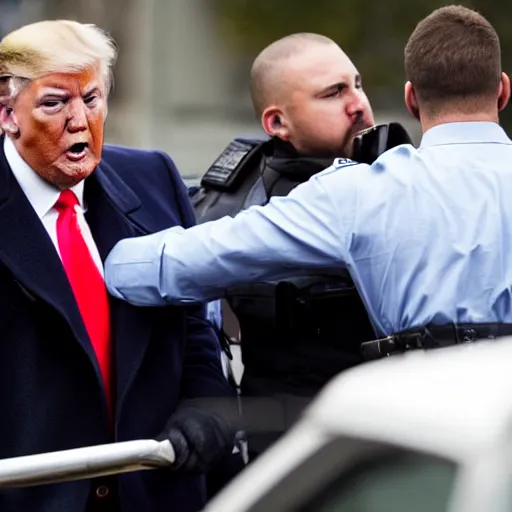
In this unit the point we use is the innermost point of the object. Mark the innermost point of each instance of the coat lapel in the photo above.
(114, 212)
(28, 252)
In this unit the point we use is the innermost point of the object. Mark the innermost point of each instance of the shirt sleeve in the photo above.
(310, 228)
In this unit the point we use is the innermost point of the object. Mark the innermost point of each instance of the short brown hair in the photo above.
(453, 55)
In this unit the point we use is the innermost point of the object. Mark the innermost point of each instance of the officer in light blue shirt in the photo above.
(425, 233)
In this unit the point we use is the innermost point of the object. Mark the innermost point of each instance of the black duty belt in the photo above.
(432, 336)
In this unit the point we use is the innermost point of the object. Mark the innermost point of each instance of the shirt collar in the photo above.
(41, 194)
(465, 133)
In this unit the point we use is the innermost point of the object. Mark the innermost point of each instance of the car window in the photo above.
(394, 483)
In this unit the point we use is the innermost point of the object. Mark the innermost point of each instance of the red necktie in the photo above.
(86, 281)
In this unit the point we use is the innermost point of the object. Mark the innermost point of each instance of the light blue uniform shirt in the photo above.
(425, 233)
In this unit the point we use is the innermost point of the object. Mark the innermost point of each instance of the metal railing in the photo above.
(87, 462)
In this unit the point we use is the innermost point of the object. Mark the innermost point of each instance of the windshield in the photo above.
(397, 483)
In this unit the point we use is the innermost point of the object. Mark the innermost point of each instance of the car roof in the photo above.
(454, 401)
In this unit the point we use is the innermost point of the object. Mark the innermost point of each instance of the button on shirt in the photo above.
(43, 196)
(426, 235)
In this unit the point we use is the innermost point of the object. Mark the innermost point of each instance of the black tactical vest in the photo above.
(298, 333)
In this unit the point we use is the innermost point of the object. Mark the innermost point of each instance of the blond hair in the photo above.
(57, 46)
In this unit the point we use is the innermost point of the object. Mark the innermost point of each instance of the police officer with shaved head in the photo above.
(297, 333)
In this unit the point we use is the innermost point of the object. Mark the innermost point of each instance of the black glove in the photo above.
(200, 439)
(374, 141)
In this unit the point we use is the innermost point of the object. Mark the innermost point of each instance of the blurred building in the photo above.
(177, 86)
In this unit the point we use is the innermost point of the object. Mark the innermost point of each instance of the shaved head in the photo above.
(307, 92)
(267, 73)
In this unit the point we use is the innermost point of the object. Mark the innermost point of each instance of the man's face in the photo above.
(324, 102)
(61, 119)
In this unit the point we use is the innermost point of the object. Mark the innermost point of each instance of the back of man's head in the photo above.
(453, 60)
(268, 68)
(57, 46)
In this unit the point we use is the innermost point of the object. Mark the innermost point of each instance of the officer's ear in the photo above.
(504, 94)
(411, 101)
(274, 123)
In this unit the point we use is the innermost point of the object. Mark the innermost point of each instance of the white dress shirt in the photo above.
(43, 196)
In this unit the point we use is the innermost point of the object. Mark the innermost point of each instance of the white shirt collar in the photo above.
(41, 194)
(465, 132)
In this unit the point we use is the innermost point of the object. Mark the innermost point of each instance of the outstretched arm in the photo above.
(290, 236)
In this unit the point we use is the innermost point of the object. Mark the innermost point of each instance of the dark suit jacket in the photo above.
(51, 393)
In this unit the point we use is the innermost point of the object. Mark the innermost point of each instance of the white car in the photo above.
(426, 431)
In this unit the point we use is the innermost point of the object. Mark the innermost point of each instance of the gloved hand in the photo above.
(372, 142)
(200, 439)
